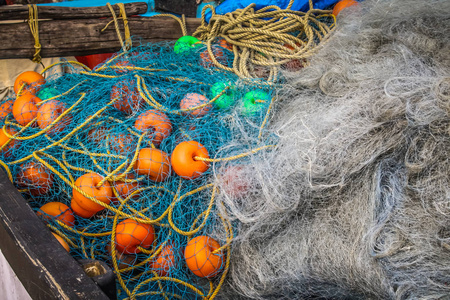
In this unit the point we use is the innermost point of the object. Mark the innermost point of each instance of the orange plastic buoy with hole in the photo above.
(33, 81)
(49, 112)
(35, 177)
(58, 211)
(5, 109)
(343, 4)
(62, 241)
(129, 100)
(130, 234)
(25, 109)
(183, 162)
(12, 144)
(156, 122)
(84, 207)
(200, 259)
(154, 163)
(193, 100)
(164, 261)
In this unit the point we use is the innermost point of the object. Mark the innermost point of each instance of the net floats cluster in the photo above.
(122, 162)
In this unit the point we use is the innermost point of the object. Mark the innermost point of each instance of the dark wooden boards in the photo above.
(45, 269)
(82, 37)
(186, 7)
(13, 12)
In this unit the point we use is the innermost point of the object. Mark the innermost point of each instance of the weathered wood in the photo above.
(45, 269)
(12, 12)
(186, 7)
(82, 37)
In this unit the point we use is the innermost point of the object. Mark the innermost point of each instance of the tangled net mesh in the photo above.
(117, 127)
(354, 201)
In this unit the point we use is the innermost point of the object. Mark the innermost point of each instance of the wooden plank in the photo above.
(82, 37)
(45, 269)
(12, 12)
(186, 7)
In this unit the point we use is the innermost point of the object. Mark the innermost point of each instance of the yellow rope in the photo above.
(33, 23)
(233, 157)
(260, 38)
(127, 44)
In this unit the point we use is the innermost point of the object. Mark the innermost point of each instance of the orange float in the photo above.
(97, 135)
(49, 112)
(200, 259)
(84, 207)
(224, 44)
(207, 62)
(62, 242)
(25, 109)
(35, 177)
(343, 4)
(156, 122)
(183, 162)
(10, 143)
(193, 100)
(154, 163)
(130, 234)
(5, 109)
(122, 143)
(58, 211)
(129, 99)
(33, 81)
(164, 262)
(124, 189)
(122, 66)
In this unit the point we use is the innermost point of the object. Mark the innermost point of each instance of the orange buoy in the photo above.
(84, 207)
(49, 112)
(193, 100)
(224, 44)
(122, 143)
(164, 261)
(25, 109)
(343, 4)
(58, 211)
(129, 99)
(154, 163)
(183, 162)
(11, 143)
(5, 109)
(156, 122)
(207, 62)
(62, 241)
(35, 177)
(33, 81)
(200, 259)
(130, 234)
(124, 189)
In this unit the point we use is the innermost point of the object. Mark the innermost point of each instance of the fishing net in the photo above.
(105, 143)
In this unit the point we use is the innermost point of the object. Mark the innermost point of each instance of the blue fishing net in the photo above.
(118, 127)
